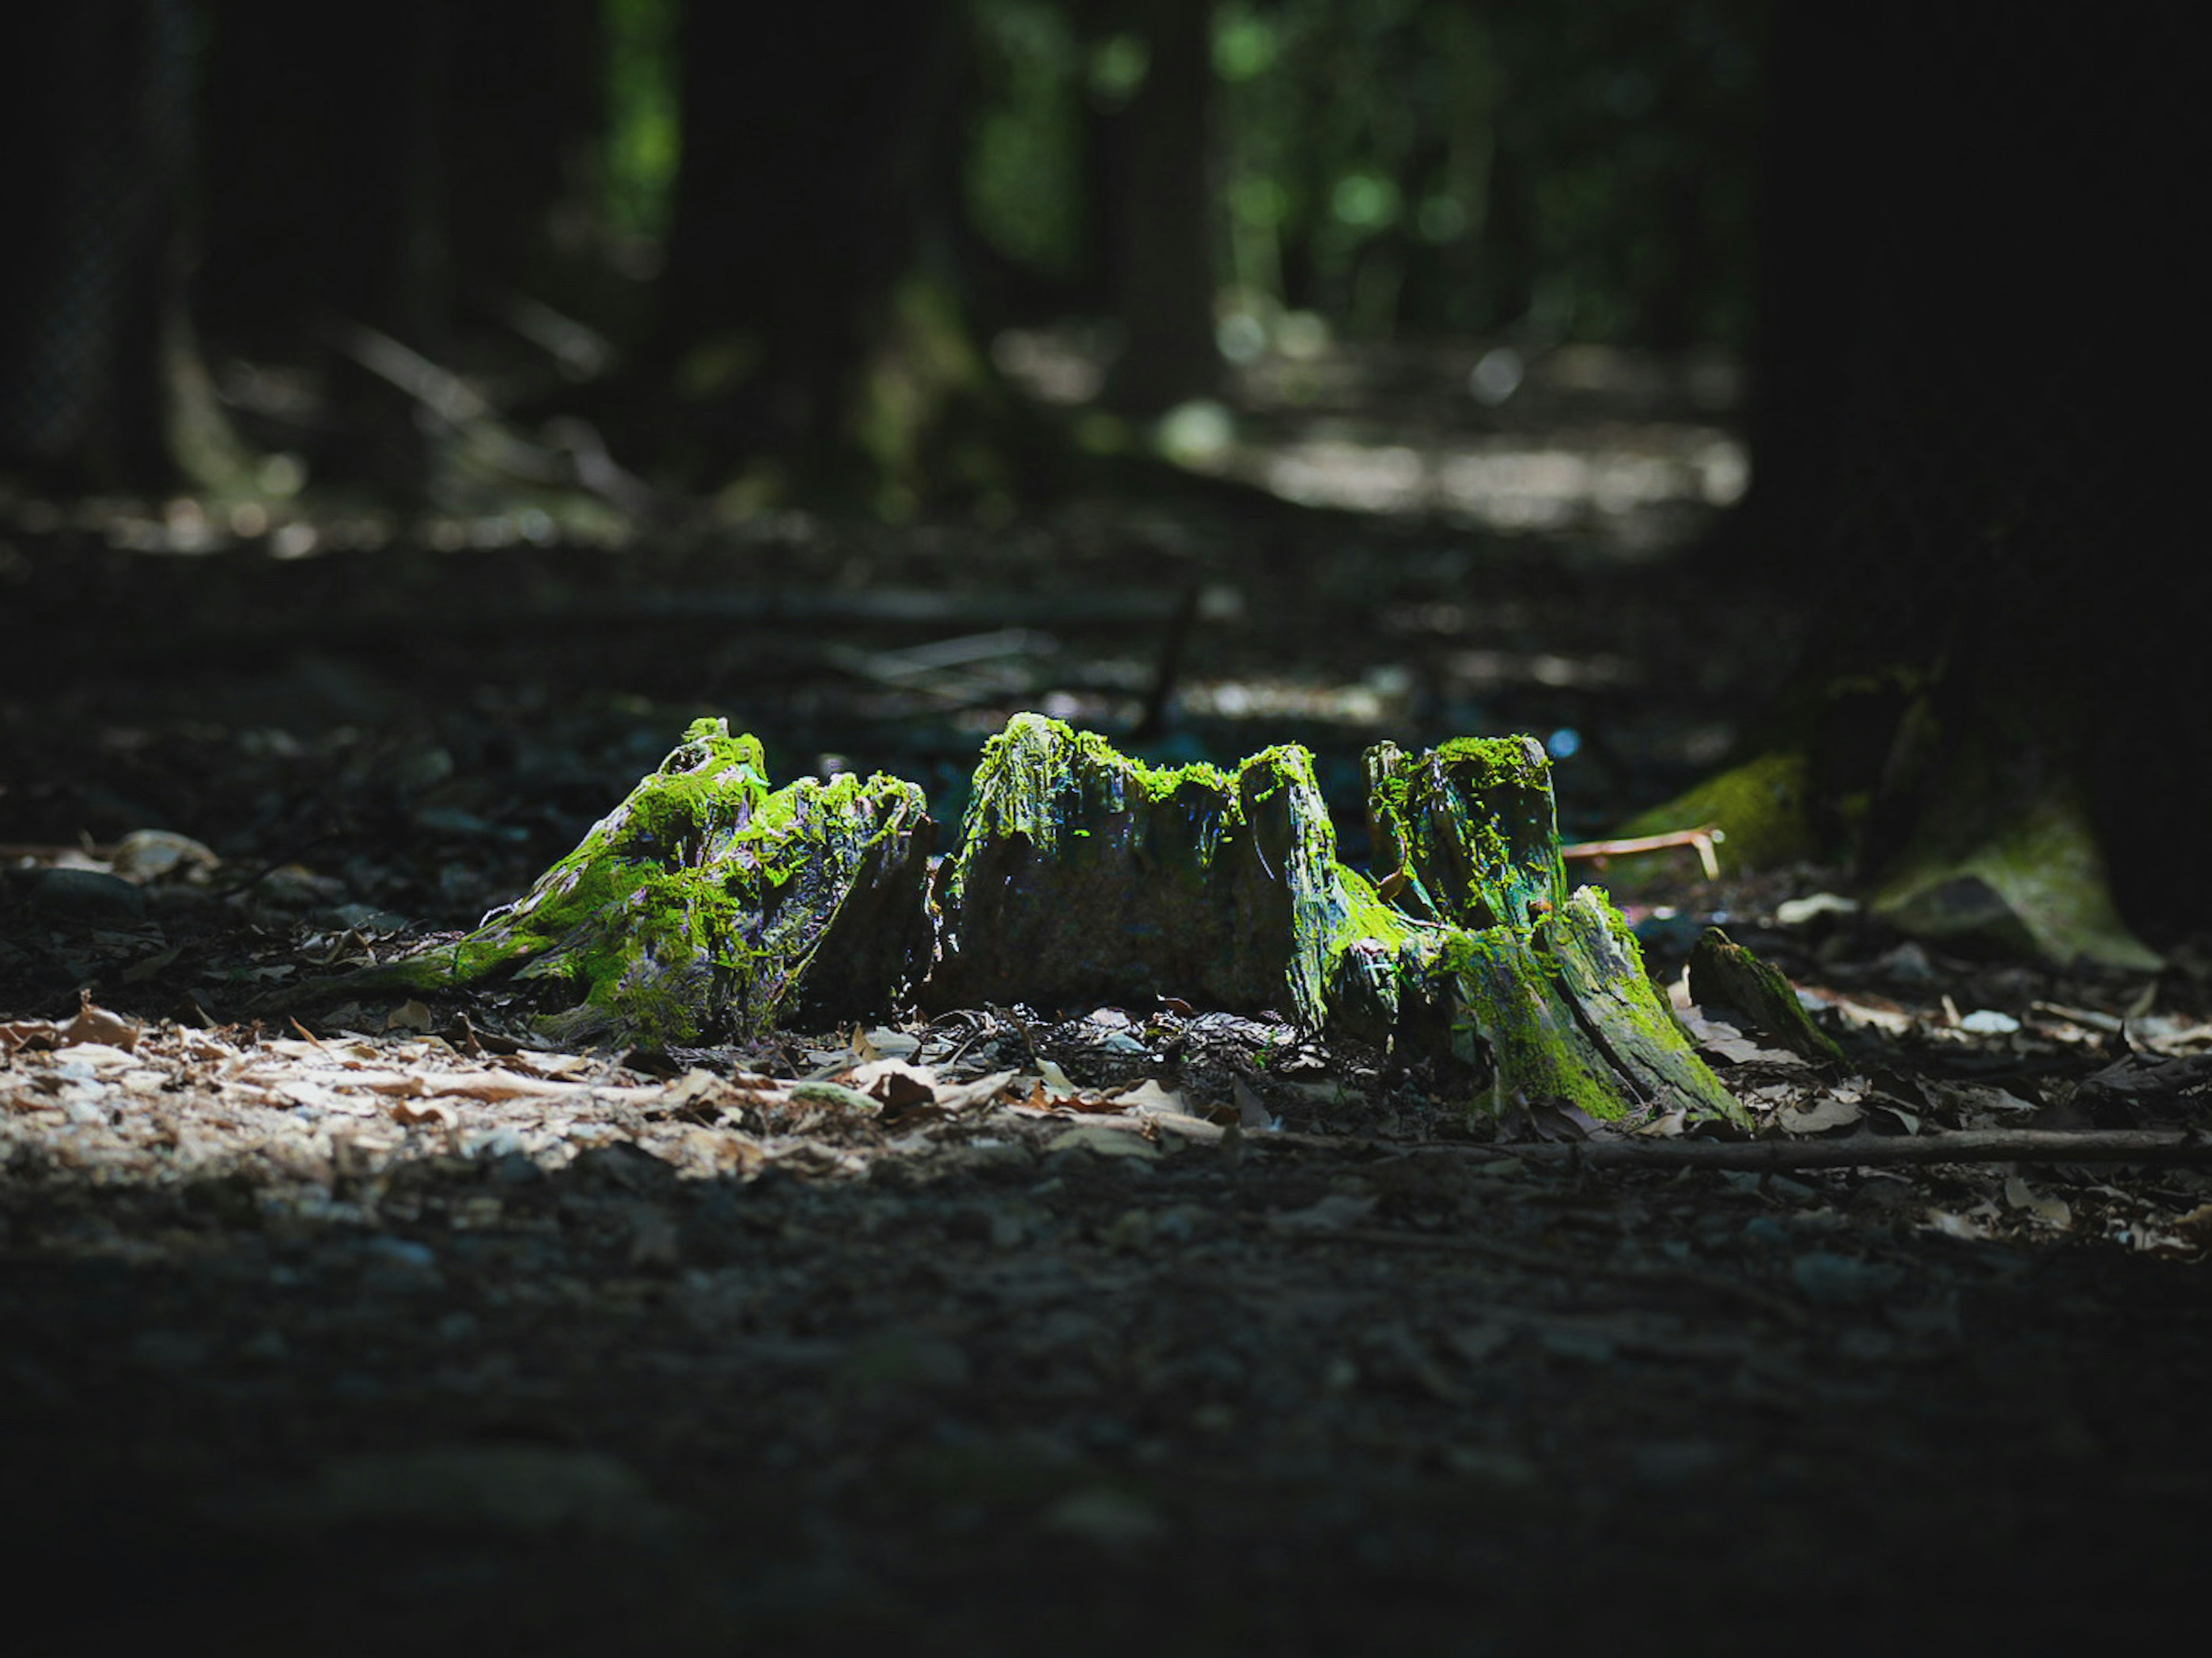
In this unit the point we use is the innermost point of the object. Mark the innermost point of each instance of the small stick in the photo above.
(1702, 838)
(2165, 1146)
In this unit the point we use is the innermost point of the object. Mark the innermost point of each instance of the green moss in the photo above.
(1082, 873)
(1760, 807)
(2036, 885)
(702, 904)
(1466, 833)
(1600, 968)
(1509, 1013)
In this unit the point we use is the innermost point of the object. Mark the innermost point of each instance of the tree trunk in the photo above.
(1969, 268)
(805, 203)
(96, 99)
(1165, 263)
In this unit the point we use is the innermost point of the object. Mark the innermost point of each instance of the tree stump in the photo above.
(707, 906)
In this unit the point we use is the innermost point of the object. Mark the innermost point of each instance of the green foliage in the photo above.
(643, 138)
(1417, 164)
(1025, 145)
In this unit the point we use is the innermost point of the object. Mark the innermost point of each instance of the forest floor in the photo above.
(1103, 1327)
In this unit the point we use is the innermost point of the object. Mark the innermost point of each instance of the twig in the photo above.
(2163, 1147)
(42, 850)
(1702, 838)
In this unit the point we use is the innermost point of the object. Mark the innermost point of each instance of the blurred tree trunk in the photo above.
(529, 112)
(1971, 278)
(328, 200)
(807, 204)
(95, 100)
(1165, 220)
(327, 165)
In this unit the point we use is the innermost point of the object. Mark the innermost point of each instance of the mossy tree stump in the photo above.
(707, 905)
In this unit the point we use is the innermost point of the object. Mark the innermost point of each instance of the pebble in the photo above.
(85, 896)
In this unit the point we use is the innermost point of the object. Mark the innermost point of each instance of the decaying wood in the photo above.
(1727, 979)
(2167, 1146)
(706, 905)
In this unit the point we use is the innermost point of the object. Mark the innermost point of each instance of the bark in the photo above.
(1969, 256)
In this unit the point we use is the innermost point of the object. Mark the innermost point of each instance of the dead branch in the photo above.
(2163, 1146)
(1701, 839)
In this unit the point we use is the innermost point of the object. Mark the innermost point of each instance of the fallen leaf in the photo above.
(894, 1083)
(1148, 1099)
(967, 1096)
(411, 1015)
(1330, 1214)
(725, 1151)
(1824, 1114)
(1102, 1141)
(2052, 1212)
(96, 1024)
(834, 1094)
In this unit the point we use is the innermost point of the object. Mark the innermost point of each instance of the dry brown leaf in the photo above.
(1148, 1098)
(20, 1034)
(96, 1024)
(972, 1096)
(723, 1152)
(898, 1085)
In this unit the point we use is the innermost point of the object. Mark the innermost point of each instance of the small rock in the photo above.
(1828, 1279)
(1101, 1515)
(85, 897)
(527, 1489)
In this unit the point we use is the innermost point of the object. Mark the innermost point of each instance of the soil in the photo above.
(1070, 1327)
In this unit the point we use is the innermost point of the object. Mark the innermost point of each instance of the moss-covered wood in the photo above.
(1726, 979)
(1467, 832)
(1083, 874)
(1600, 972)
(706, 905)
